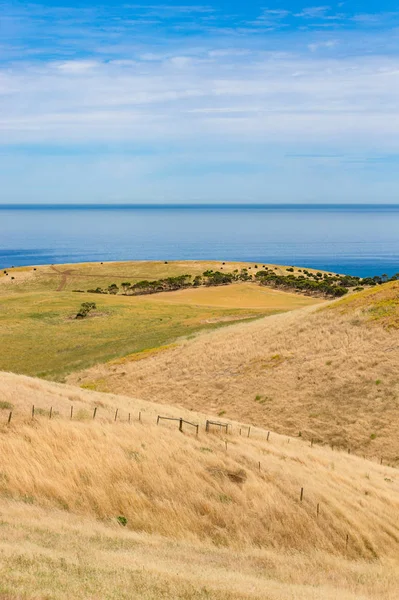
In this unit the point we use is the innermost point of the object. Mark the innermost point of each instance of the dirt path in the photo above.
(64, 277)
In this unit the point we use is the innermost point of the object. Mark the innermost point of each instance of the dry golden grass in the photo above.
(48, 554)
(202, 522)
(89, 275)
(329, 374)
(239, 295)
(379, 304)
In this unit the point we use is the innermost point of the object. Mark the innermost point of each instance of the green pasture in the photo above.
(40, 337)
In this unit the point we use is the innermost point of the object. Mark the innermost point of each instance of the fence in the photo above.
(181, 421)
(208, 424)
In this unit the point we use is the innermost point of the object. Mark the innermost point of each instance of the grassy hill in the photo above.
(326, 373)
(109, 508)
(42, 338)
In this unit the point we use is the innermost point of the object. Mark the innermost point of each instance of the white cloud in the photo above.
(180, 62)
(231, 90)
(327, 44)
(76, 66)
(314, 12)
(279, 96)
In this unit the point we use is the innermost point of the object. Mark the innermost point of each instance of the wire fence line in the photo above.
(210, 427)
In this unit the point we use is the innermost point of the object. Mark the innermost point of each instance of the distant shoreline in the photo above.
(218, 206)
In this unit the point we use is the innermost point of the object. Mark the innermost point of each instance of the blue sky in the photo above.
(199, 102)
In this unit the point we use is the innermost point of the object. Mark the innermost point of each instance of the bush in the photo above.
(84, 310)
(6, 405)
(113, 289)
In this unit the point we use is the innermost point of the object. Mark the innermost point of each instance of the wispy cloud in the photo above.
(313, 12)
(94, 78)
(323, 44)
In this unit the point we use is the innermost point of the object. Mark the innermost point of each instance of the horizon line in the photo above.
(8, 206)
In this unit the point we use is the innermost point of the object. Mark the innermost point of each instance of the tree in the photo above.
(84, 310)
(125, 286)
(113, 288)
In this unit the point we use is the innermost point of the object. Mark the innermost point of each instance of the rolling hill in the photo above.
(327, 373)
(120, 507)
(42, 337)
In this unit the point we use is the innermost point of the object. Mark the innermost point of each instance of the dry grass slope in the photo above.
(379, 304)
(329, 374)
(64, 483)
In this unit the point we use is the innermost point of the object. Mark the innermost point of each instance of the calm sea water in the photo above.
(362, 240)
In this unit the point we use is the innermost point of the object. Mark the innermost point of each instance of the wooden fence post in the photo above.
(33, 411)
(116, 414)
(128, 418)
(259, 465)
(197, 430)
(9, 417)
(268, 434)
(301, 494)
(51, 412)
(226, 444)
(71, 412)
(318, 509)
(158, 420)
(249, 431)
(181, 424)
(140, 416)
(94, 412)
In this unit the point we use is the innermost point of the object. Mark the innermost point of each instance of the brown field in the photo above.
(201, 521)
(68, 277)
(327, 374)
(238, 295)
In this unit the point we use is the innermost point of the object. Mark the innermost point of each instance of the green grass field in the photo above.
(40, 337)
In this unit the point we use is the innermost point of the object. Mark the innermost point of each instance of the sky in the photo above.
(183, 102)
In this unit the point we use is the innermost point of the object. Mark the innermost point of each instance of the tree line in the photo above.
(304, 281)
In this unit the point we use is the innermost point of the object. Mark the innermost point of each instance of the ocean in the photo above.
(357, 239)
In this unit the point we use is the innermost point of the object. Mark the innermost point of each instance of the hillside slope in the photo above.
(328, 374)
(202, 520)
(44, 339)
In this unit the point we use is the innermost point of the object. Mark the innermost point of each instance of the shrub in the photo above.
(113, 289)
(6, 405)
(84, 310)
